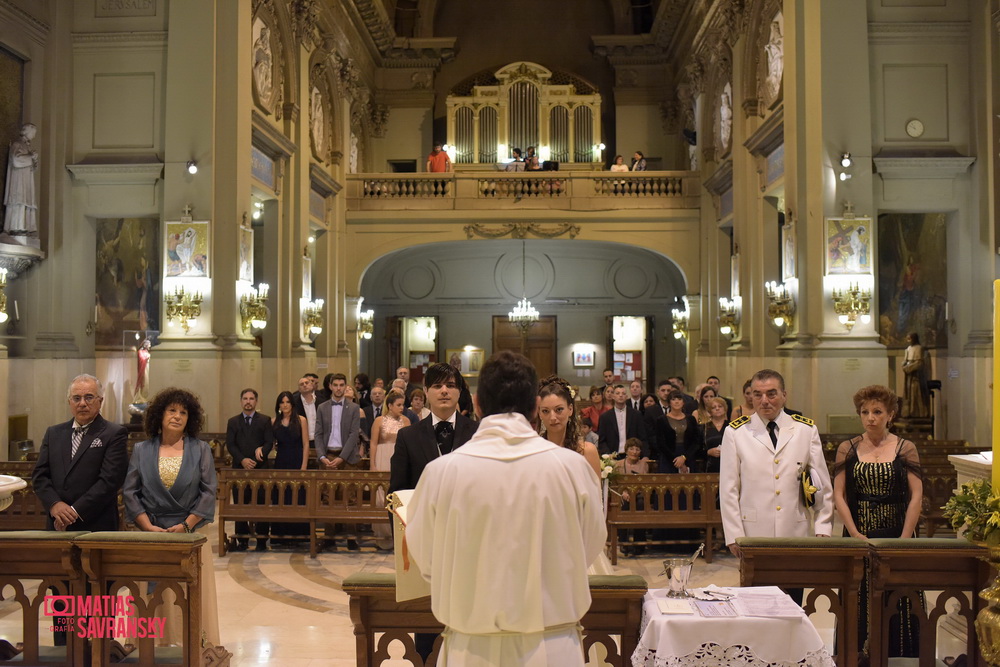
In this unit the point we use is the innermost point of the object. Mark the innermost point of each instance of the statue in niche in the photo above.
(916, 394)
(318, 120)
(693, 157)
(725, 119)
(775, 52)
(353, 161)
(21, 217)
(262, 64)
(142, 377)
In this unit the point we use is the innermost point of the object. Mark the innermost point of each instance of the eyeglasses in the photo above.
(88, 399)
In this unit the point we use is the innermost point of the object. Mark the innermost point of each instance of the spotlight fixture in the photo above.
(192, 167)
(258, 209)
(844, 176)
(845, 160)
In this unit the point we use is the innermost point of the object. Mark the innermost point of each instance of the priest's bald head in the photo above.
(508, 382)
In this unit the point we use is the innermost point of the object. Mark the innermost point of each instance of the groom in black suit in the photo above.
(82, 464)
(440, 433)
(249, 439)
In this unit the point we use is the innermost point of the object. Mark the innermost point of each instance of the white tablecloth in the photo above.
(677, 640)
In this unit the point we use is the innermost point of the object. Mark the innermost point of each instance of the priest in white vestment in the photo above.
(504, 529)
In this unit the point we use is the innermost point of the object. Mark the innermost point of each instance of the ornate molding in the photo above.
(769, 135)
(37, 31)
(373, 14)
(17, 258)
(378, 116)
(305, 21)
(721, 179)
(892, 33)
(420, 52)
(629, 50)
(119, 40)
(922, 167)
(117, 174)
(521, 230)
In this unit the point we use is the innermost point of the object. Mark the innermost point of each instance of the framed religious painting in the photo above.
(307, 278)
(848, 246)
(788, 268)
(583, 357)
(467, 360)
(186, 246)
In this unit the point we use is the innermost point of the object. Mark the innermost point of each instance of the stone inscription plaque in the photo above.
(117, 8)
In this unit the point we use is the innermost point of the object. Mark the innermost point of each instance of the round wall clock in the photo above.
(914, 128)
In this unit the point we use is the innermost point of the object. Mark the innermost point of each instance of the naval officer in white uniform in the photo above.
(762, 458)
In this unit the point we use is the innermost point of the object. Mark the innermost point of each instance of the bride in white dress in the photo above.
(561, 426)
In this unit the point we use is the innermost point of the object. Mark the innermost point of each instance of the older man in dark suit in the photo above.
(618, 425)
(440, 433)
(82, 464)
(80, 470)
(338, 445)
(249, 439)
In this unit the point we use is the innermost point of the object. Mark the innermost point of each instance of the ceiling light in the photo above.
(192, 167)
(845, 160)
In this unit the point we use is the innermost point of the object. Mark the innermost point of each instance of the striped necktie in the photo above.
(77, 438)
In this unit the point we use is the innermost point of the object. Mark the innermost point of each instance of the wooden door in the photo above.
(540, 345)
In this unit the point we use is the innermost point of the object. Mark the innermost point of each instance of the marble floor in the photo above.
(284, 608)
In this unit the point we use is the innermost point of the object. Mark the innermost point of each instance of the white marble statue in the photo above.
(21, 217)
(693, 157)
(318, 120)
(775, 51)
(262, 63)
(725, 120)
(353, 162)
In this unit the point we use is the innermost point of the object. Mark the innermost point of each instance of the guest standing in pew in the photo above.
(338, 444)
(441, 433)
(249, 439)
(763, 457)
(383, 443)
(80, 469)
(291, 438)
(878, 491)
(170, 488)
(678, 437)
(714, 430)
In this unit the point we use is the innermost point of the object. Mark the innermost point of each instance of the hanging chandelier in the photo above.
(524, 315)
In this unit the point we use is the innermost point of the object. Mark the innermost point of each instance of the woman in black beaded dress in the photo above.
(877, 490)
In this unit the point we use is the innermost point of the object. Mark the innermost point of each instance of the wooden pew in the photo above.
(832, 566)
(615, 611)
(939, 484)
(903, 568)
(49, 556)
(668, 501)
(347, 496)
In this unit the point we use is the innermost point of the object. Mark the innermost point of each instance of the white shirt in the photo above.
(507, 566)
(310, 410)
(620, 418)
(335, 444)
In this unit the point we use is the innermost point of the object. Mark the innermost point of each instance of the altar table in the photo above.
(692, 640)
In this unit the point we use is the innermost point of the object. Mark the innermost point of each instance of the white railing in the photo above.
(573, 190)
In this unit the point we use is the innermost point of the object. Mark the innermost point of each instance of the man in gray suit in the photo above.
(338, 422)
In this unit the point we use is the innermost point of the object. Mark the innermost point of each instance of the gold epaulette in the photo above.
(804, 420)
(736, 423)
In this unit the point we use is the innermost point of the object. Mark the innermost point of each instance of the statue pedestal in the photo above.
(972, 466)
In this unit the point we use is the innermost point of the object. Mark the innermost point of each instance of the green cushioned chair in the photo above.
(800, 542)
(384, 579)
(54, 535)
(140, 537)
(617, 581)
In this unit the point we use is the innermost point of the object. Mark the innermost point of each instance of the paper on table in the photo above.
(775, 604)
(674, 606)
(714, 609)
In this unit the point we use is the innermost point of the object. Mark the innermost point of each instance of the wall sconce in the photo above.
(183, 306)
(845, 160)
(781, 305)
(729, 315)
(3, 296)
(258, 209)
(852, 304)
(253, 307)
(366, 322)
(192, 167)
(312, 317)
(680, 322)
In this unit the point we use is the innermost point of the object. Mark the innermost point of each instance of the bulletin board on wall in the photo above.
(627, 365)
(419, 361)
